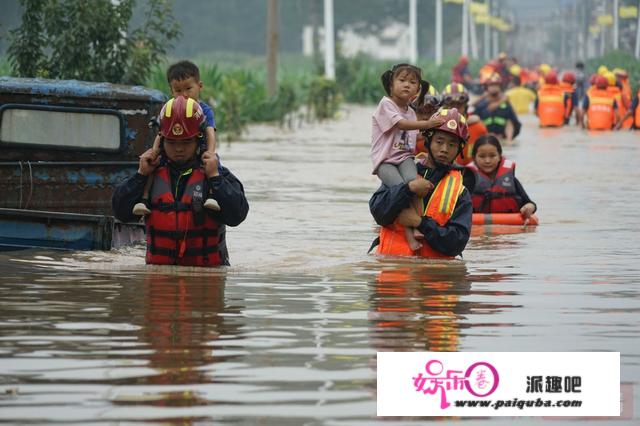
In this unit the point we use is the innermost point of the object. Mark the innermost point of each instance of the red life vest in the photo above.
(551, 110)
(600, 115)
(173, 236)
(440, 207)
(497, 195)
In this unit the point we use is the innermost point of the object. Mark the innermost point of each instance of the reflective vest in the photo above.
(497, 121)
(568, 89)
(600, 115)
(623, 105)
(498, 195)
(476, 130)
(440, 207)
(551, 110)
(175, 236)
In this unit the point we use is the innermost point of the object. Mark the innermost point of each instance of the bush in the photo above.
(617, 59)
(92, 41)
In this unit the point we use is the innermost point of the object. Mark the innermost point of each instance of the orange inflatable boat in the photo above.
(502, 219)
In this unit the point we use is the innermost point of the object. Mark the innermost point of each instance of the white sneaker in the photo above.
(141, 209)
(211, 204)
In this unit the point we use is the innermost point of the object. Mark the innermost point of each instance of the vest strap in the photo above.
(192, 233)
(189, 252)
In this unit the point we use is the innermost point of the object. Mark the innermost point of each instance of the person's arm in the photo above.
(468, 179)
(451, 238)
(405, 124)
(387, 202)
(129, 192)
(126, 195)
(227, 191)
(513, 119)
(524, 196)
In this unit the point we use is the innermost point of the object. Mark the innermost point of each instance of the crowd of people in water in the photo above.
(604, 100)
(438, 155)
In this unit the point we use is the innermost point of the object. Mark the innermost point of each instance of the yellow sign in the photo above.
(628, 12)
(594, 29)
(478, 8)
(605, 20)
(482, 19)
(454, 1)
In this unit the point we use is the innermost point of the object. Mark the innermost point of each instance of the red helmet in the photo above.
(592, 79)
(551, 78)
(494, 78)
(454, 123)
(569, 77)
(601, 82)
(464, 60)
(455, 93)
(181, 119)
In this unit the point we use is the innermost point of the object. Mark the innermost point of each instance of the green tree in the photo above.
(90, 40)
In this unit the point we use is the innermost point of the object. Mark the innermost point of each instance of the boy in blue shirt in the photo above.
(184, 80)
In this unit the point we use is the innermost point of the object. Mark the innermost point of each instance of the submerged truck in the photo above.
(64, 147)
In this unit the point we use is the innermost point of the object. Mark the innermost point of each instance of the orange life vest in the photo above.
(440, 207)
(568, 89)
(476, 130)
(622, 108)
(551, 110)
(600, 115)
(174, 235)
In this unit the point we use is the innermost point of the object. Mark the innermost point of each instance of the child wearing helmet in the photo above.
(455, 95)
(179, 230)
(444, 216)
(495, 188)
(395, 127)
(184, 80)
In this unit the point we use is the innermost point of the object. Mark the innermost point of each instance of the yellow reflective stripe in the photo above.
(447, 195)
(602, 101)
(167, 109)
(190, 103)
(551, 98)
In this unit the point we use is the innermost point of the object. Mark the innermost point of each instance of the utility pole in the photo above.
(329, 48)
(615, 24)
(438, 32)
(487, 33)
(465, 27)
(272, 48)
(474, 39)
(413, 31)
(637, 52)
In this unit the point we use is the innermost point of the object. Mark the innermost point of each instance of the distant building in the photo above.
(390, 43)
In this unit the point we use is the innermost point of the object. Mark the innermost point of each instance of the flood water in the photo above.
(288, 334)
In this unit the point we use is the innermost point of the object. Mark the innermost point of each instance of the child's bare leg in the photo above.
(412, 234)
(210, 203)
(411, 240)
(142, 208)
(417, 205)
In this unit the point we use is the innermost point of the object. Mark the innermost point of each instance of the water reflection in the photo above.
(423, 306)
(179, 320)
